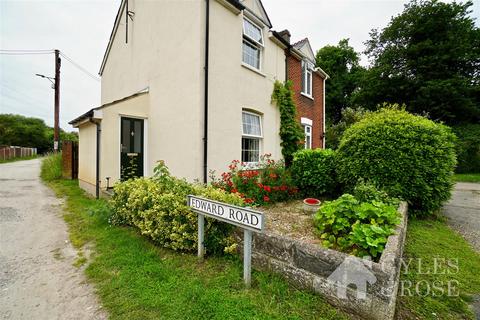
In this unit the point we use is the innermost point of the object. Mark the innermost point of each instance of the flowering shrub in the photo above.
(158, 207)
(268, 182)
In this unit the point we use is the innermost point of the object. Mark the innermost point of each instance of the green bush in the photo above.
(158, 207)
(51, 168)
(313, 172)
(334, 132)
(468, 148)
(408, 156)
(368, 192)
(355, 227)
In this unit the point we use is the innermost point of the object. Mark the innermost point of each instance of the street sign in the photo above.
(249, 220)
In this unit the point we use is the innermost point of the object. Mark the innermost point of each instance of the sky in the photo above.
(80, 29)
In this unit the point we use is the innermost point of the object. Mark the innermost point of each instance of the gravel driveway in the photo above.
(37, 278)
(463, 212)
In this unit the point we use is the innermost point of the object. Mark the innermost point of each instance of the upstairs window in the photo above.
(252, 44)
(251, 137)
(308, 136)
(307, 68)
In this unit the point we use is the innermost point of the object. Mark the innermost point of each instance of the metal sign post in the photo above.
(249, 220)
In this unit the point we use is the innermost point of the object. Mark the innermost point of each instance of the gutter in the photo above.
(205, 111)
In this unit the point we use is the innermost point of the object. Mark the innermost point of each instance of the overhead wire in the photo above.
(49, 51)
(78, 66)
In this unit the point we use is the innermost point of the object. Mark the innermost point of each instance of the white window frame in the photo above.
(308, 134)
(307, 87)
(252, 136)
(253, 42)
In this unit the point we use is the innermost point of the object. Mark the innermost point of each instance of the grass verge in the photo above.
(436, 257)
(137, 280)
(467, 177)
(51, 167)
(18, 159)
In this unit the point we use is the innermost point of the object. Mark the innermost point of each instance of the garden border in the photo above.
(308, 266)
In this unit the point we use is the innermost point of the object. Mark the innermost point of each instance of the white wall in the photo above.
(165, 53)
(234, 87)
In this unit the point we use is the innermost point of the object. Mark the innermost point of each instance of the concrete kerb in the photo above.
(312, 267)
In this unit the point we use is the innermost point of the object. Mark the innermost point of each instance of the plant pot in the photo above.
(311, 205)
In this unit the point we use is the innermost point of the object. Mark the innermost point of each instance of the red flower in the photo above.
(267, 188)
(273, 175)
(234, 190)
(266, 198)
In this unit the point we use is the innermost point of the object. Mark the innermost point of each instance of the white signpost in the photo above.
(247, 219)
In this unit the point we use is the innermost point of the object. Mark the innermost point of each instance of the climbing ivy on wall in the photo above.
(291, 132)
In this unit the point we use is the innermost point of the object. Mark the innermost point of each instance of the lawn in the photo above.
(429, 240)
(467, 177)
(18, 159)
(137, 280)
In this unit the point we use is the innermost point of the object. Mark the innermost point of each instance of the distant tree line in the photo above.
(426, 60)
(17, 130)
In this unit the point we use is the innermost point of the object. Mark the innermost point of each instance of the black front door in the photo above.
(131, 148)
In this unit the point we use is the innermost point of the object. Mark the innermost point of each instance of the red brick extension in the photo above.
(306, 107)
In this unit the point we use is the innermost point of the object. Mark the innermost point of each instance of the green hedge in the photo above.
(313, 172)
(407, 156)
(158, 207)
(468, 148)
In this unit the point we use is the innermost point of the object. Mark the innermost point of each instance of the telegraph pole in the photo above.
(56, 117)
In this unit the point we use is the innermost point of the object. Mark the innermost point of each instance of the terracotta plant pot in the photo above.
(311, 205)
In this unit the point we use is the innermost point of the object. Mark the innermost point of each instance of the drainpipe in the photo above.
(97, 162)
(205, 115)
(324, 130)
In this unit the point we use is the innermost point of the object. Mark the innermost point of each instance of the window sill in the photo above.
(253, 69)
(307, 96)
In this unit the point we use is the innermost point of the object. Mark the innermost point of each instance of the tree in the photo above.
(17, 130)
(428, 58)
(341, 63)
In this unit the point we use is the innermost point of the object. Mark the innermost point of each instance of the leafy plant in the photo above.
(408, 156)
(313, 172)
(368, 192)
(158, 207)
(355, 227)
(269, 182)
(291, 132)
